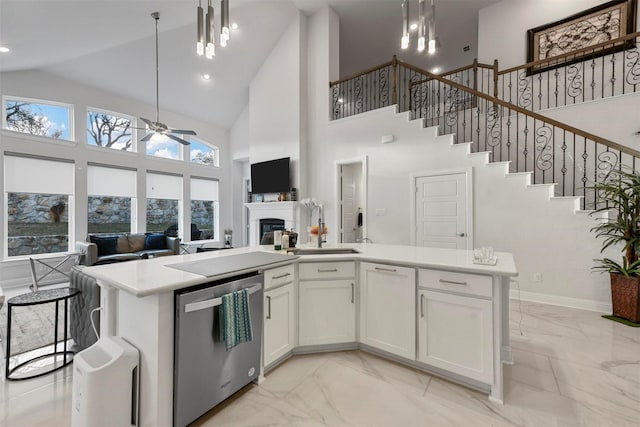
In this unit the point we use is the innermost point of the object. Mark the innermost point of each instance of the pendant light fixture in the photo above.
(200, 30)
(210, 49)
(432, 30)
(423, 42)
(224, 22)
(404, 43)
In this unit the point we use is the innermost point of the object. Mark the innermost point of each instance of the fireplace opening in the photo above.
(270, 224)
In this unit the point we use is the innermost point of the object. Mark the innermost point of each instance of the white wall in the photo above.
(40, 85)
(502, 27)
(239, 136)
(616, 118)
(545, 236)
(275, 128)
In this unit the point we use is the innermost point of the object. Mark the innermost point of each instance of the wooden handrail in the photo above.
(590, 49)
(361, 73)
(521, 110)
(467, 67)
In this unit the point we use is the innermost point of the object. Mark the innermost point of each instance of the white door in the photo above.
(387, 308)
(348, 209)
(455, 333)
(441, 211)
(327, 312)
(278, 323)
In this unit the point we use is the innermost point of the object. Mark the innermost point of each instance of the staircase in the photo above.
(498, 113)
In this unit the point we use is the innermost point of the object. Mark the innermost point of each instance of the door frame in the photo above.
(468, 172)
(363, 161)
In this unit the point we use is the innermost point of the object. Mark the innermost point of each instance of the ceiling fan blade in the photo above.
(175, 138)
(182, 132)
(147, 121)
(147, 137)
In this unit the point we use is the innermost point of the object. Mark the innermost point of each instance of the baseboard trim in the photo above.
(583, 304)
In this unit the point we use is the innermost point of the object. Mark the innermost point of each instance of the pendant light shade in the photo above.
(210, 49)
(404, 42)
(200, 31)
(432, 30)
(224, 22)
(421, 26)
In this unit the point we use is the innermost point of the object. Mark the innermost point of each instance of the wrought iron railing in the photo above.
(603, 70)
(464, 103)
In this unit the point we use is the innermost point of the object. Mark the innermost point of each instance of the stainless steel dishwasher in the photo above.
(205, 372)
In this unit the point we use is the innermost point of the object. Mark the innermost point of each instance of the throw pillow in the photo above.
(107, 245)
(136, 242)
(155, 241)
(123, 244)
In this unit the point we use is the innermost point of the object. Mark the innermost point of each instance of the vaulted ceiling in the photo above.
(110, 45)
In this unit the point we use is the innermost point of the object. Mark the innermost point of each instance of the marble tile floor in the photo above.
(572, 368)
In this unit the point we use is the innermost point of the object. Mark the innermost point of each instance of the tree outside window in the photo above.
(109, 131)
(37, 118)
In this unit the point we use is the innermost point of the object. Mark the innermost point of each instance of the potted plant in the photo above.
(620, 192)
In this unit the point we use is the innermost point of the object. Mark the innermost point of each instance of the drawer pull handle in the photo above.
(353, 292)
(281, 276)
(330, 270)
(453, 282)
(269, 307)
(421, 305)
(392, 270)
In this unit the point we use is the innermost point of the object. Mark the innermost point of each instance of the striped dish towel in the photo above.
(236, 319)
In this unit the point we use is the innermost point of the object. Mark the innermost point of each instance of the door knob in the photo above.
(462, 234)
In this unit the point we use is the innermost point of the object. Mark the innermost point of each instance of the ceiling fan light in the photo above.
(200, 31)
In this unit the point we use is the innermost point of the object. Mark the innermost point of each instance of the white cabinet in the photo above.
(455, 331)
(279, 314)
(387, 308)
(327, 301)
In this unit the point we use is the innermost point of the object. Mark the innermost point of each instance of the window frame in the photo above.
(134, 129)
(215, 148)
(71, 116)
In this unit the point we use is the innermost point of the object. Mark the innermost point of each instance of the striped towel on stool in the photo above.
(236, 318)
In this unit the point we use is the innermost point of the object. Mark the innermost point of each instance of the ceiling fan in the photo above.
(157, 127)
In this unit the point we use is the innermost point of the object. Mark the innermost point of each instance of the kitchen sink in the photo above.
(323, 251)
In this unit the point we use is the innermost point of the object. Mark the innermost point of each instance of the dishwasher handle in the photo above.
(213, 302)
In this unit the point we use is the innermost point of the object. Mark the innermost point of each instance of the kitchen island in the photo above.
(138, 304)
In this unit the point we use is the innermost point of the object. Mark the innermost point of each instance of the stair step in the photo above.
(573, 201)
(550, 188)
(521, 175)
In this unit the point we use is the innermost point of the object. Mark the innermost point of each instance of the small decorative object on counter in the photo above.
(294, 193)
(282, 197)
(293, 238)
(277, 240)
(259, 198)
(285, 240)
(227, 238)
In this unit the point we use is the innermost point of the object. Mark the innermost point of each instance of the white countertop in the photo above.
(152, 276)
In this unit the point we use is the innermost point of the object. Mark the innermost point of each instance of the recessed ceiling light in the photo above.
(206, 76)
(436, 70)
(413, 27)
(234, 26)
(4, 49)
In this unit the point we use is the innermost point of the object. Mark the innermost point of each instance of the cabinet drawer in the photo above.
(278, 276)
(464, 283)
(327, 270)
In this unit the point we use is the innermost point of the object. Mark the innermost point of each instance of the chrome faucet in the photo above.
(320, 224)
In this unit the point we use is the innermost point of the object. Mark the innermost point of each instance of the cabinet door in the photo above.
(387, 308)
(327, 312)
(456, 334)
(278, 323)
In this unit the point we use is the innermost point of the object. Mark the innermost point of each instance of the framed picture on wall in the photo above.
(585, 29)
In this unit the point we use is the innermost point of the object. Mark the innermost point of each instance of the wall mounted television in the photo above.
(270, 177)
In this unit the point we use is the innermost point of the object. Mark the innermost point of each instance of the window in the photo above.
(164, 193)
(203, 153)
(161, 146)
(40, 118)
(109, 130)
(204, 209)
(39, 196)
(111, 201)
